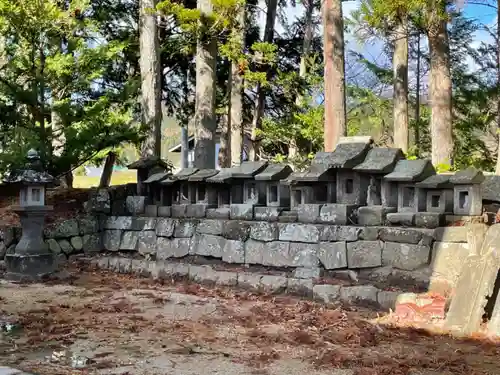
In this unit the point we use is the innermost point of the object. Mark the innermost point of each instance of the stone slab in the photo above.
(241, 212)
(267, 213)
(210, 226)
(308, 213)
(333, 255)
(374, 215)
(264, 231)
(405, 256)
(295, 232)
(448, 258)
(406, 219)
(184, 228)
(429, 220)
(236, 230)
(146, 244)
(165, 227)
(172, 247)
(451, 234)
(326, 293)
(233, 251)
(338, 214)
(112, 239)
(359, 294)
(207, 245)
(364, 254)
(304, 255)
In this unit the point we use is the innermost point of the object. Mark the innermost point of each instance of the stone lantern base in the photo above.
(31, 259)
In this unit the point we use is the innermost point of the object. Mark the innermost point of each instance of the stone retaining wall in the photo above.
(408, 259)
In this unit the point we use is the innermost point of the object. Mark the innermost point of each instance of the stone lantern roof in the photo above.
(31, 174)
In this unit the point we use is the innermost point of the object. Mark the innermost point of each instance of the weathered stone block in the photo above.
(210, 226)
(326, 293)
(374, 215)
(405, 256)
(51, 243)
(387, 299)
(295, 232)
(406, 219)
(77, 243)
(429, 220)
(273, 283)
(339, 214)
(178, 211)
(140, 267)
(129, 240)
(164, 211)
(263, 231)
(196, 210)
(124, 265)
(143, 223)
(267, 213)
(307, 273)
(91, 243)
(249, 280)
(64, 229)
(207, 245)
(308, 213)
(135, 205)
(369, 233)
(202, 274)
(99, 202)
(112, 239)
(233, 251)
(8, 236)
(172, 247)
(118, 222)
(333, 233)
(65, 246)
(218, 213)
(333, 255)
(226, 278)
(114, 264)
(236, 230)
(241, 212)
(103, 263)
(184, 228)
(404, 235)
(451, 234)
(448, 258)
(165, 227)
(275, 253)
(151, 210)
(302, 287)
(88, 225)
(146, 243)
(304, 255)
(364, 254)
(359, 293)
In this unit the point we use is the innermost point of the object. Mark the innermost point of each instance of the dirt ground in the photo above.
(116, 324)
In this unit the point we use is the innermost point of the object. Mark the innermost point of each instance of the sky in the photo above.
(483, 14)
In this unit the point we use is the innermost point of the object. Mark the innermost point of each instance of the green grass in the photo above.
(118, 178)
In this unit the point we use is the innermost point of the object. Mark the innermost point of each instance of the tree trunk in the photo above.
(272, 6)
(417, 101)
(150, 66)
(440, 88)
(205, 126)
(306, 47)
(400, 77)
(236, 100)
(334, 77)
(497, 169)
(224, 156)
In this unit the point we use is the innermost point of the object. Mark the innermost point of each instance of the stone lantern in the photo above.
(31, 259)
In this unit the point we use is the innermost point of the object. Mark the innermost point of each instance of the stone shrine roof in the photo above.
(469, 176)
(203, 174)
(249, 169)
(316, 172)
(490, 188)
(149, 162)
(380, 160)
(274, 172)
(345, 155)
(411, 171)
(223, 177)
(182, 175)
(31, 174)
(157, 177)
(437, 181)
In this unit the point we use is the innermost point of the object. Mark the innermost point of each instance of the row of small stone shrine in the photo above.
(356, 183)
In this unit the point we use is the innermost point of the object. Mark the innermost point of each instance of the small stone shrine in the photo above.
(31, 259)
(467, 192)
(410, 199)
(379, 162)
(147, 167)
(182, 192)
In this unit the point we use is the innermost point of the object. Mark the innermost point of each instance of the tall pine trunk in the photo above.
(440, 86)
(497, 169)
(417, 101)
(150, 67)
(334, 78)
(236, 98)
(272, 6)
(205, 121)
(306, 48)
(400, 77)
